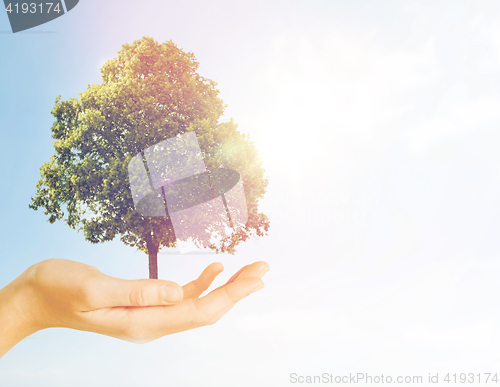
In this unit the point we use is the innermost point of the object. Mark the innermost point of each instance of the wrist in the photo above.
(16, 322)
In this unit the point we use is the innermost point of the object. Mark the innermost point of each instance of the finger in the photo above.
(195, 288)
(146, 324)
(236, 275)
(218, 302)
(256, 269)
(105, 291)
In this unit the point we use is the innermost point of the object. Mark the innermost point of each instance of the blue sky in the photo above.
(378, 126)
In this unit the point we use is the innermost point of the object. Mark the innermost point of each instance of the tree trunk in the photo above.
(153, 264)
(153, 257)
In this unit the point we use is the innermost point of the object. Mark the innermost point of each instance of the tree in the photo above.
(149, 93)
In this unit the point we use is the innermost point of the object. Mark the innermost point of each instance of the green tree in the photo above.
(150, 92)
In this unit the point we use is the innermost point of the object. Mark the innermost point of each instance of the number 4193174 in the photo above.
(471, 378)
(33, 8)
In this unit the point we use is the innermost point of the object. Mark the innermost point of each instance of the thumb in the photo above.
(111, 292)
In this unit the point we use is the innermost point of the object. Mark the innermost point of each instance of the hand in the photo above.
(63, 293)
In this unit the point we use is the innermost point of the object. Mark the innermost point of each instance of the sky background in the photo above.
(378, 125)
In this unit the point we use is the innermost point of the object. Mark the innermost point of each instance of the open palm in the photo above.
(64, 293)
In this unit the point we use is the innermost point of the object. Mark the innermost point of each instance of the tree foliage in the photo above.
(150, 92)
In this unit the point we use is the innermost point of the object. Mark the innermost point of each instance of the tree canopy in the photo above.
(150, 92)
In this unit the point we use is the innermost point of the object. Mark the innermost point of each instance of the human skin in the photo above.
(69, 294)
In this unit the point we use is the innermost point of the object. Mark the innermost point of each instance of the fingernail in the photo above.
(171, 294)
(219, 266)
(264, 271)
